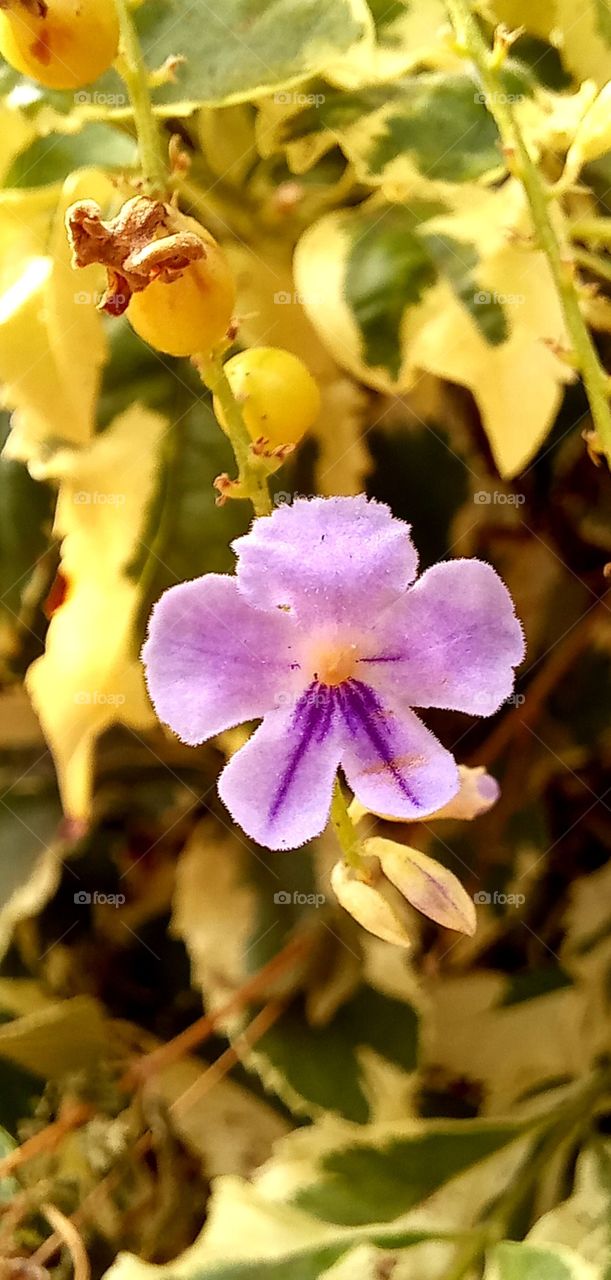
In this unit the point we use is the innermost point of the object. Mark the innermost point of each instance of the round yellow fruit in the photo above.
(193, 313)
(71, 45)
(277, 394)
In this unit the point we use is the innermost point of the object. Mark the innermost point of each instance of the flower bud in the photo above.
(477, 793)
(428, 886)
(373, 904)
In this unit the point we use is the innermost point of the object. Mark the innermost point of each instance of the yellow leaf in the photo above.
(90, 676)
(407, 36)
(518, 382)
(16, 132)
(593, 137)
(52, 342)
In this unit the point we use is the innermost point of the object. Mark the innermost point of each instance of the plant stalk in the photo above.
(133, 69)
(561, 262)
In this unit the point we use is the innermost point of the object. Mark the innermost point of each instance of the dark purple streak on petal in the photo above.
(311, 722)
(363, 712)
(393, 657)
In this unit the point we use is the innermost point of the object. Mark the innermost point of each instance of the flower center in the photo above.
(334, 663)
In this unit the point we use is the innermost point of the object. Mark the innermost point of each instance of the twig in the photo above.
(199, 1031)
(197, 1090)
(230, 1058)
(72, 1239)
(73, 1116)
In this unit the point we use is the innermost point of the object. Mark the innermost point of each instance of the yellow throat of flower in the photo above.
(332, 664)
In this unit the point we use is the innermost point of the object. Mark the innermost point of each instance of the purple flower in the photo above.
(321, 634)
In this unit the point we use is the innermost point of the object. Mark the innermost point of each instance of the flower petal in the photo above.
(212, 661)
(392, 762)
(430, 887)
(278, 787)
(332, 559)
(452, 641)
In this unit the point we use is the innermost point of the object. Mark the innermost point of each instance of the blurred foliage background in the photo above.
(429, 1117)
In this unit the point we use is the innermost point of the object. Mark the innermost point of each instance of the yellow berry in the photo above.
(277, 394)
(193, 313)
(71, 45)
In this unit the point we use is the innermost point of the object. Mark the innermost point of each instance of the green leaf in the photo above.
(393, 261)
(54, 157)
(388, 269)
(70, 1035)
(375, 1181)
(246, 48)
(321, 1064)
(514, 1261)
(248, 1237)
(458, 262)
(434, 126)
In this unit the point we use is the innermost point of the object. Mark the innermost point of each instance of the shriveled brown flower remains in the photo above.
(143, 243)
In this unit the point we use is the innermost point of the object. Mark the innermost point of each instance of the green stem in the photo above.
(561, 264)
(133, 69)
(344, 828)
(250, 478)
